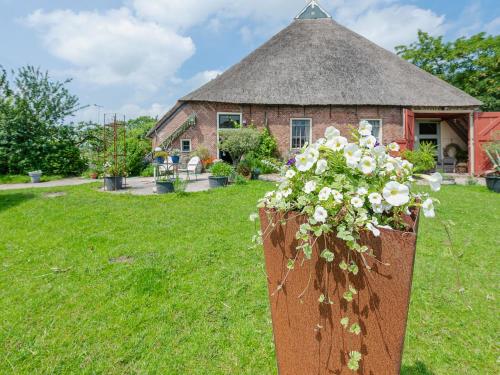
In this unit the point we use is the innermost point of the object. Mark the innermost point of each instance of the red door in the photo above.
(409, 129)
(485, 124)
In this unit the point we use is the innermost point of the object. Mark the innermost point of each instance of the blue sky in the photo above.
(136, 57)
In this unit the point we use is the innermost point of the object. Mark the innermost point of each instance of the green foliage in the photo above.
(492, 149)
(180, 186)
(265, 157)
(423, 159)
(268, 146)
(31, 132)
(244, 168)
(471, 64)
(238, 142)
(240, 180)
(148, 171)
(138, 146)
(221, 169)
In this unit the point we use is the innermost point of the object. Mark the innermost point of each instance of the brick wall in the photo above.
(278, 119)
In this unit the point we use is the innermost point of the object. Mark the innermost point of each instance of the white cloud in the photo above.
(201, 78)
(113, 47)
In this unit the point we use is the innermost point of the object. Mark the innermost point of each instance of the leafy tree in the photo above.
(138, 146)
(471, 64)
(238, 142)
(31, 132)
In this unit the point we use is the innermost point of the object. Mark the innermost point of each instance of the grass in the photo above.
(23, 179)
(97, 283)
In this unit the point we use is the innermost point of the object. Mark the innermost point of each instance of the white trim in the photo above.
(186, 139)
(380, 132)
(217, 125)
(314, 3)
(310, 130)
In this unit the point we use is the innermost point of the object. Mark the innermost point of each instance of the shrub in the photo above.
(268, 146)
(238, 142)
(221, 169)
(148, 171)
(245, 168)
(422, 159)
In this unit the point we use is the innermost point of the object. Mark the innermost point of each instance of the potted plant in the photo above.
(175, 154)
(339, 236)
(244, 169)
(113, 176)
(160, 156)
(220, 174)
(35, 176)
(165, 185)
(255, 173)
(493, 177)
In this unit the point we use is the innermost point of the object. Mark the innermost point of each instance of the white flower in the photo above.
(304, 162)
(253, 217)
(321, 141)
(357, 202)
(336, 143)
(313, 152)
(389, 167)
(405, 164)
(393, 147)
(324, 194)
(290, 174)
(367, 165)
(396, 194)
(362, 191)
(287, 192)
(331, 132)
(428, 207)
(338, 196)
(365, 128)
(368, 141)
(379, 151)
(320, 214)
(352, 153)
(278, 196)
(372, 228)
(378, 208)
(375, 198)
(435, 180)
(309, 187)
(321, 166)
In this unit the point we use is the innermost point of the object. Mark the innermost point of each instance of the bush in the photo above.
(148, 171)
(423, 159)
(238, 142)
(221, 169)
(268, 146)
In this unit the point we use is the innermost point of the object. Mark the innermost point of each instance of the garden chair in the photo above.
(449, 164)
(192, 167)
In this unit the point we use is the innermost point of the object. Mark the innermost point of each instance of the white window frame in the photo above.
(217, 123)
(183, 140)
(380, 133)
(310, 130)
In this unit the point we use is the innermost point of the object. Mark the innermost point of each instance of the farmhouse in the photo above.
(316, 73)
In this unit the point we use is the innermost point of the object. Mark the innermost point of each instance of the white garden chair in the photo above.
(192, 167)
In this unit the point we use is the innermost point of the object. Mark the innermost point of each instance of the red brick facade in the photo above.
(204, 133)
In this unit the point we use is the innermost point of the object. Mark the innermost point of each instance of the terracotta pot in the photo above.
(308, 336)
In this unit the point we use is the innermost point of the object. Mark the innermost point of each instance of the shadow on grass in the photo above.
(10, 200)
(418, 368)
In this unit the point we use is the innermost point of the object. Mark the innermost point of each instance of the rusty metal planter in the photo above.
(308, 336)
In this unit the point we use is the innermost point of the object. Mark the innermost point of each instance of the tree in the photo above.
(31, 132)
(238, 142)
(471, 64)
(138, 145)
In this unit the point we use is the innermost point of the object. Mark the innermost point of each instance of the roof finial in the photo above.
(312, 11)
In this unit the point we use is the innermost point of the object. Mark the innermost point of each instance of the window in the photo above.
(300, 132)
(185, 145)
(376, 128)
(228, 120)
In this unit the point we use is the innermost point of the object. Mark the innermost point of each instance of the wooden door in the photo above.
(485, 125)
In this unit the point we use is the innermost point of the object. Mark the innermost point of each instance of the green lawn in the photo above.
(22, 179)
(96, 283)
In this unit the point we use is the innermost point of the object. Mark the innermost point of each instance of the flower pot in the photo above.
(255, 175)
(164, 187)
(113, 183)
(308, 336)
(35, 177)
(159, 160)
(93, 176)
(216, 182)
(493, 182)
(176, 159)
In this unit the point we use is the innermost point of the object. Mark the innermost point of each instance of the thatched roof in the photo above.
(319, 62)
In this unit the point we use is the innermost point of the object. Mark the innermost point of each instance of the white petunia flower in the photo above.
(320, 214)
(379, 151)
(372, 228)
(428, 207)
(378, 208)
(286, 192)
(435, 180)
(352, 153)
(324, 194)
(336, 143)
(331, 132)
(309, 187)
(389, 167)
(338, 196)
(375, 198)
(304, 162)
(313, 152)
(357, 202)
(367, 164)
(369, 141)
(396, 194)
(362, 191)
(290, 174)
(321, 166)
(365, 128)
(393, 147)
